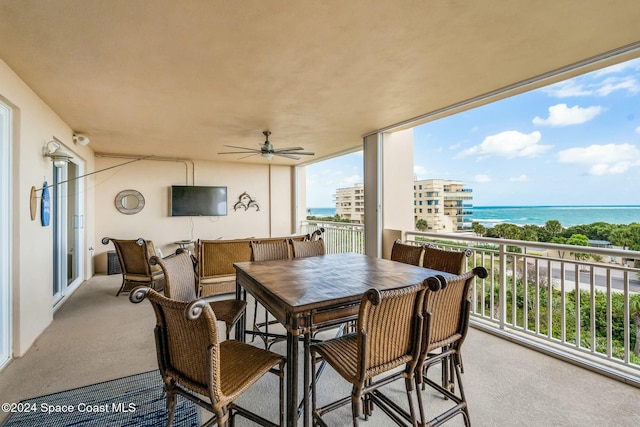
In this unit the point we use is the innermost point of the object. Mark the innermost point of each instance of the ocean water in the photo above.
(321, 211)
(568, 216)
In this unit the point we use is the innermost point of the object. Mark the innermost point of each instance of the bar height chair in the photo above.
(446, 322)
(133, 256)
(181, 285)
(267, 252)
(389, 328)
(194, 364)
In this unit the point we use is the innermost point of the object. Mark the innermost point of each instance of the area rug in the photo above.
(133, 401)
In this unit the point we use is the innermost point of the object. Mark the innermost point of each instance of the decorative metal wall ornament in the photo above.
(245, 201)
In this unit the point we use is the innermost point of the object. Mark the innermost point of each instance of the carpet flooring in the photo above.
(136, 400)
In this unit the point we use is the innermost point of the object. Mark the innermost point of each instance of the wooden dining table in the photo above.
(305, 294)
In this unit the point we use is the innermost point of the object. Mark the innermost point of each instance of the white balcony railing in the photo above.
(530, 294)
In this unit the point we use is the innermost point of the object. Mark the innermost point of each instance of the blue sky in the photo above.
(576, 142)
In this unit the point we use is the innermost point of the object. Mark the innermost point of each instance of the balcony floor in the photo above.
(96, 337)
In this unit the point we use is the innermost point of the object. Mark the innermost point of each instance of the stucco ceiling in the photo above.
(183, 78)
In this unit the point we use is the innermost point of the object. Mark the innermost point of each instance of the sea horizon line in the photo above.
(523, 206)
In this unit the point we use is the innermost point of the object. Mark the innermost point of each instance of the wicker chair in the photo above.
(307, 248)
(134, 261)
(408, 254)
(450, 262)
(267, 252)
(195, 365)
(216, 274)
(387, 337)
(446, 321)
(444, 260)
(181, 285)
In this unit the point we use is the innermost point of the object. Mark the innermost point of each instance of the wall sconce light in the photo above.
(58, 156)
(80, 139)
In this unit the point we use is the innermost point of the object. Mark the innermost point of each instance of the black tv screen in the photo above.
(192, 200)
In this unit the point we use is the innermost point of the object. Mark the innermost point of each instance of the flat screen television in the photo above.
(193, 200)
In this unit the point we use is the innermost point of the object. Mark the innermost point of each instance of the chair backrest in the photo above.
(446, 310)
(216, 257)
(307, 248)
(408, 254)
(134, 256)
(389, 329)
(186, 341)
(443, 260)
(180, 279)
(270, 251)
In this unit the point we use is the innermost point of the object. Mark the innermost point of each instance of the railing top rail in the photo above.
(539, 245)
(335, 223)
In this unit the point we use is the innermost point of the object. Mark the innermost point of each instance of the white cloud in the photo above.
(618, 68)
(561, 115)
(350, 181)
(579, 86)
(481, 178)
(521, 178)
(566, 89)
(613, 84)
(509, 144)
(638, 129)
(420, 172)
(609, 159)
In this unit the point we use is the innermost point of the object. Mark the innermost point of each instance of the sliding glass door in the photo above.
(5, 232)
(68, 228)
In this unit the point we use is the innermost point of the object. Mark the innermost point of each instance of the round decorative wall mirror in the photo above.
(129, 202)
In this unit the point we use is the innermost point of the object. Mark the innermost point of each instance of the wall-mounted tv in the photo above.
(193, 200)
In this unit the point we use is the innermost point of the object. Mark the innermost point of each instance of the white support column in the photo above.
(372, 158)
(397, 187)
(388, 189)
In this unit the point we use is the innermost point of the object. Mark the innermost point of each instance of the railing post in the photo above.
(502, 281)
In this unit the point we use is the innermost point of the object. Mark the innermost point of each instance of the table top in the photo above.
(302, 284)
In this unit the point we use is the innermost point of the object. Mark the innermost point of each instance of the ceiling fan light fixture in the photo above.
(268, 156)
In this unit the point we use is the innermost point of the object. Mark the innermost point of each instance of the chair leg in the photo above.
(171, 406)
(408, 381)
(356, 397)
(281, 375)
(121, 287)
(417, 381)
(313, 387)
(255, 320)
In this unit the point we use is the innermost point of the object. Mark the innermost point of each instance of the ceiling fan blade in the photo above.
(288, 156)
(241, 152)
(297, 153)
(289, 149)
(242, 148)
(244, 157)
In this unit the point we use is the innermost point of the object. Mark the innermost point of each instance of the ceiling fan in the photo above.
(266, 150)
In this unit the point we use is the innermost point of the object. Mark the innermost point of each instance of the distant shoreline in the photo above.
(568, 215)
(551, 206)
(518, 206)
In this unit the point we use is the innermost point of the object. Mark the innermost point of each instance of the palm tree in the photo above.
(421, 224)
(479, 229)
(554, 227)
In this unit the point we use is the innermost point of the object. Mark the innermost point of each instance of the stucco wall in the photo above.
(268, 185)
(34, 124)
